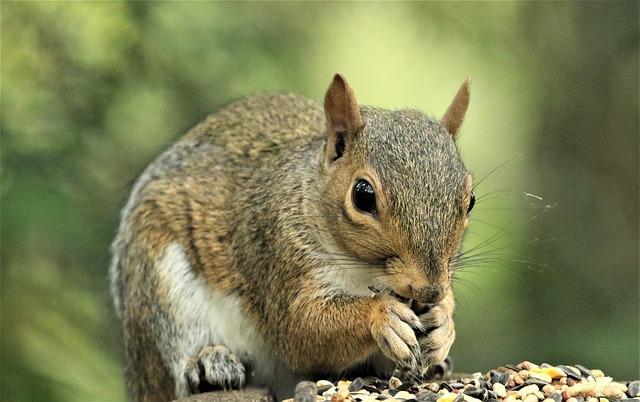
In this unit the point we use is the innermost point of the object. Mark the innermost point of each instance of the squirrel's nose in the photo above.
(429, 294)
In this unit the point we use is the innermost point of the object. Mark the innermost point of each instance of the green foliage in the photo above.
(91, 92)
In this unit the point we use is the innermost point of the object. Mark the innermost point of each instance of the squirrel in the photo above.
(279, 239)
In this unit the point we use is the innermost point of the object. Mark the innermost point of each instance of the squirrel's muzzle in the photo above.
(429, 294)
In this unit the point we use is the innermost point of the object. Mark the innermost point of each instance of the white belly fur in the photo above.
(204, 317)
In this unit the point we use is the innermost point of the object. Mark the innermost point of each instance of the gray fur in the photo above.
(247, 196)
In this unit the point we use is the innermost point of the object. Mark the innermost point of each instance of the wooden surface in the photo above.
(249, 394)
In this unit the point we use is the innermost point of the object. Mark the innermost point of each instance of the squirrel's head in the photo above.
(395, 191)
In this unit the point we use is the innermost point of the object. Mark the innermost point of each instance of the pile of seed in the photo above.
(524, 382)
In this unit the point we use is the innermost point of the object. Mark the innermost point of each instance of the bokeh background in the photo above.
(92, 92)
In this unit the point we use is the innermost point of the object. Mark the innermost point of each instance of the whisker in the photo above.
(466, 283)
(489, 241)
(490, 173)
(546, 209)
(463, 257)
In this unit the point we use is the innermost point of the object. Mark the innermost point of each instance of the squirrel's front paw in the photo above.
(217, 366)
(392, 327)
(437, 335)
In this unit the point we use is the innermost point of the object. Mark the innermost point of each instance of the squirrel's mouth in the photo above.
(391, 292)
(417, 307)
(420, 308)
(401, 298)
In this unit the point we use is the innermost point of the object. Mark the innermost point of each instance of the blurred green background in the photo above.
(92, 92)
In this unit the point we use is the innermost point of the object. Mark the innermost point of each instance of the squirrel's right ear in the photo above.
(343, 114)
(452, 119)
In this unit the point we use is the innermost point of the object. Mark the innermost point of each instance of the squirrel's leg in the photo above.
(337, 332)
(217, 366)
(435, 339)
(439, 331)
(189, 330)
(147, 375)
(169, 344)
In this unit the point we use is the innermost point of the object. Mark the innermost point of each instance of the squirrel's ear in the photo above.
(452, 119)
(341, 107)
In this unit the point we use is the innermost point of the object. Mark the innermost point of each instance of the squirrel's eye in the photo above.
(364, 198)
(472, 202)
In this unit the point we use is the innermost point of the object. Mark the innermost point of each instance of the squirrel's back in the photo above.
(205, 168)
(242, 133)
(249, 127)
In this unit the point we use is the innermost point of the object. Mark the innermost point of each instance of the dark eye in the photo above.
(364, 198)
(472, 202)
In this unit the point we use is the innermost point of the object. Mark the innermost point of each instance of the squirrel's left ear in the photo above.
(341, 107)
(343, 117)
(452, 119)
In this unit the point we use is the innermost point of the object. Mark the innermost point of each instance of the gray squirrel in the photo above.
(279, 239)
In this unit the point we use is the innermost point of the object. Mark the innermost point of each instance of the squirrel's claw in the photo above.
(437, 337)
(215, 365)
(392, 326)
(191, 375)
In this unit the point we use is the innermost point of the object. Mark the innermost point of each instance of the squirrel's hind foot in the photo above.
(215, 367)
